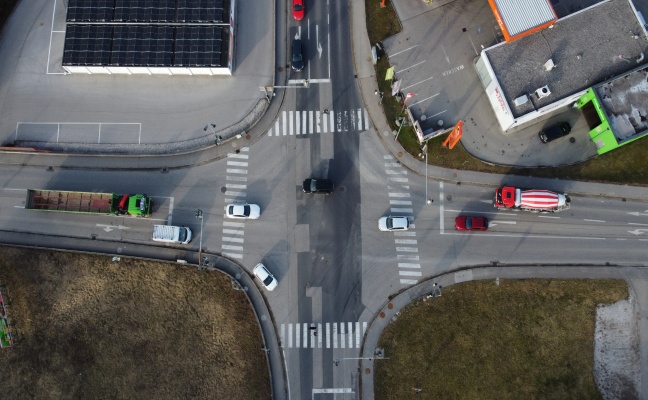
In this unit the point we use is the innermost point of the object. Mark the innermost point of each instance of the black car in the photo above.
(297, 55)
(312, 185)
(554, 132)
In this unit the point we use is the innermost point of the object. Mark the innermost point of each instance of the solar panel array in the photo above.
(162, 33)
(188, 11)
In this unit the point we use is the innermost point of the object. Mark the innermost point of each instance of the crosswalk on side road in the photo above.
(330, 335)
(328, 121)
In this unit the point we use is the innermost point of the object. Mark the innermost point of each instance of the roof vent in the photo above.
(542, 92)
(549, 65)
(521, 100)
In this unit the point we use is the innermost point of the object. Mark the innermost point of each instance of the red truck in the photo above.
(513, 198)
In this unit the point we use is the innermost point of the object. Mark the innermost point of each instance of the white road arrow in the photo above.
(319, 45)
(109, 228)
(494, 223)
(636, 214)
(638, 231)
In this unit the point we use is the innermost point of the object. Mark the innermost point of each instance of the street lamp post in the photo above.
(199, 215)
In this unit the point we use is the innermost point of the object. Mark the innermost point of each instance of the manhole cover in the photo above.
(238, 151)
(390, 306)
(382, 314)
(572, 140)
(400, 154)
(367, 371)
(280, 69)
(248, 136)
(223, 189)
(342, 189)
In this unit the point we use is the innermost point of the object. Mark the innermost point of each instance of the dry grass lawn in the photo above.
(519, 340)
(89, 328)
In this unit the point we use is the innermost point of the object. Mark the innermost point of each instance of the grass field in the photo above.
(628, 164)
(519, 340)
(89, 328)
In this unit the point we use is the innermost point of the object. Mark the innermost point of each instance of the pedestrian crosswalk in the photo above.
(235, 187)
(329, 335)
(406, 243)
(292, 123)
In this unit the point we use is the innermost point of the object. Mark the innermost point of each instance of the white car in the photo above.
(242, 211)
(261, 272)
(390, 223)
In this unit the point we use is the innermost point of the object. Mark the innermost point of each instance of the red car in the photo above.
(466, 223)
(298, 10)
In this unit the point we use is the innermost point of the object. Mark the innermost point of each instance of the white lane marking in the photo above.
(366, 115)
(290, 123)
(406, 187)
(324, 124)
(392, 164)
(237, 163)
(283, 335)
(396, 172)
(350, 334)
(357, 335)
(411, 66)
(335, 336)
(494, 223)
(638, 231)
(401, 202)
(402, 210)
(236, 178)
(393, 179)
(290, 335)
(310, 122)
(359, 127)
(297, 336)
(405, 233)
(402, 51)
(318, 121)
(332, 121)
(407, 249)
(236, 171)
(239, 155)
(546, 216)
(425, 99)
(232, 239)
(593, 220)
(407, 257)
(399, 195)
(342, 335)
(636, 214)
(408, 281)
(621, 239)
(232, 232)
(319, 336)
(524, 236)
(313, 335)
(235, 186)
(441, 206)
(328, 335)
(228, 247)
(409, 273)
(417, 83)
(277, 127)
(484, 212)
(233, 255)
(283, 119)
(236, 194)
(236, 224)
(305, 335)
(304, 121)
(388, 157)
(297, 120)
(409, 265)
(634, 223)
(406, 241)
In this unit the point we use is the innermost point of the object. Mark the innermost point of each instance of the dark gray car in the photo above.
(312, 185)
(297, 55)
(554, 132)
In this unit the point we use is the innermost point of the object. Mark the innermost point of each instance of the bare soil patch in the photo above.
(518, 340)
(89, 328)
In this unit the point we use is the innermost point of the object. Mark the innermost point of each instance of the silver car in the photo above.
(242, 211)
(261, 272)
(390, 223)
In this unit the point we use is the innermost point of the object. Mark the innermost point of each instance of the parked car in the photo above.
(266, 278)
(297, 55)
(242, 211)
(467, 223)
(554, 132)
(391, 223)
(298, 10)
(313, 185)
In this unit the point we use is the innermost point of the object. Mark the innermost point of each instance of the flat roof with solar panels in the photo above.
(149, 36)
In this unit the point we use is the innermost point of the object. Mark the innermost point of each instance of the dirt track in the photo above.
(89, 328)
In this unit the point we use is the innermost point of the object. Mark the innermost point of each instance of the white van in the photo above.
(171, 234)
